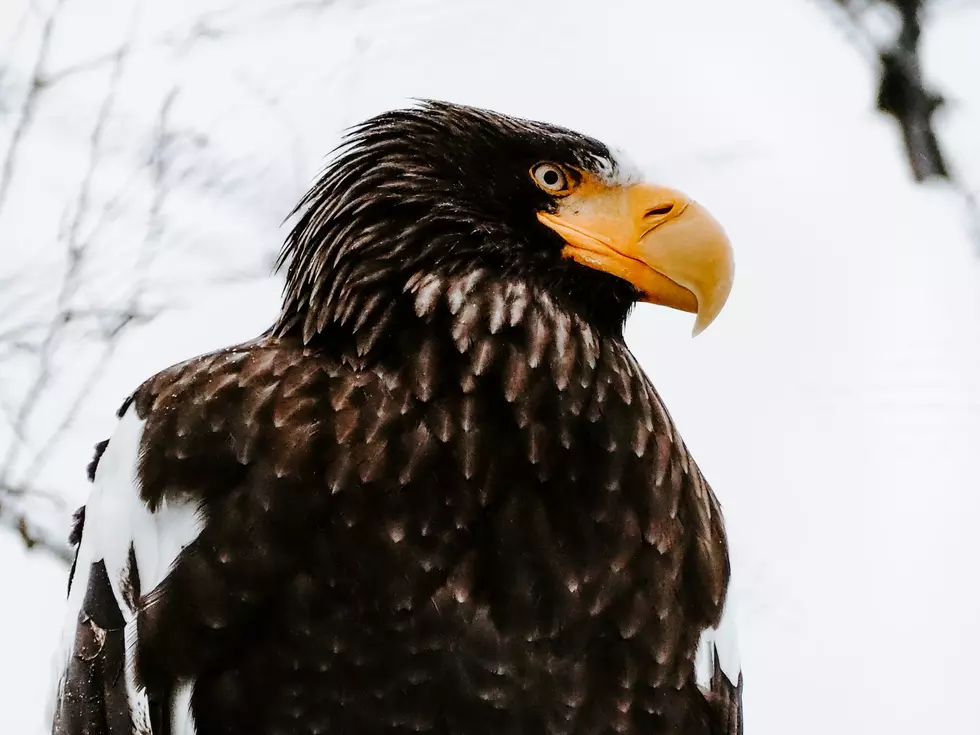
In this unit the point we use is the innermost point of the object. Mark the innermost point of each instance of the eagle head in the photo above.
(446, 189)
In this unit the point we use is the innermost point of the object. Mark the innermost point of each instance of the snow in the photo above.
(835, 403)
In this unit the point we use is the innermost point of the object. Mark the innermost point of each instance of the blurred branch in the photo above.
(129, 314)
(30, 102)
(70, 315)
(237, 18)
(93, 64)
(71, 276)
(64, 313)
(12, 41)
(33, 535)
(159, 169)
(902, 91)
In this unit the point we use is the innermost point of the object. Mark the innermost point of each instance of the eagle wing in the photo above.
(124, 550)
(719, 675)
(717, 662)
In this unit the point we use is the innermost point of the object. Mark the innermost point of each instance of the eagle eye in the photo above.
(551, 177)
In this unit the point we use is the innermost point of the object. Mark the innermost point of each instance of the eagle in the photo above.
(439, 495)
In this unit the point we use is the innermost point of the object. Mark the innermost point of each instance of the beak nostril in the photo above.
(661, 210)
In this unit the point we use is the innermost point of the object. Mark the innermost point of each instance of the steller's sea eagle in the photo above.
(439, 495)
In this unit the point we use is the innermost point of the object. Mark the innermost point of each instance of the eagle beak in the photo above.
(658, 239)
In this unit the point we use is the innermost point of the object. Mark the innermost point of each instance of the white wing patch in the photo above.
(181, 715)
(117, 520)
(720, 642)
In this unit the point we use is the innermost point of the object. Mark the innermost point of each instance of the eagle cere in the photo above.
(439, 494)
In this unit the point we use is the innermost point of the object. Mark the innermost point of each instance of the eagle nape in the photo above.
(439, 495)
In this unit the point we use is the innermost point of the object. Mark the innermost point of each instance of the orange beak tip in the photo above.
(667, 245)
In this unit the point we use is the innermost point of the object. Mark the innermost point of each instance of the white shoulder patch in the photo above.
(719, 644)
(181, 716)
(116, 520)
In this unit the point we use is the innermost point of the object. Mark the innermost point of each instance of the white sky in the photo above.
(835, 404)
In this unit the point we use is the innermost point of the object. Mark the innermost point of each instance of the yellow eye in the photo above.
(550, 177)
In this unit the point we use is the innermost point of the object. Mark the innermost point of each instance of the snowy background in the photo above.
(834, 405)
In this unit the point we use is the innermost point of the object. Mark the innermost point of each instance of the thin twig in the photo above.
(35, 537)
(30, 103)
(11, 42)
(70, 281)
(93, 64)
(69, 415)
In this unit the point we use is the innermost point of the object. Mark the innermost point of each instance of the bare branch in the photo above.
(902, 93)
(236, 18)
(38, 342)
(16, 516)
(68, 415)
(129, 314)
(36, 537)
(93, 64)
(70, 281)
(15, 34)
(30, 102)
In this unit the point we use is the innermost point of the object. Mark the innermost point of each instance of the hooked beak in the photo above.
(660, 240)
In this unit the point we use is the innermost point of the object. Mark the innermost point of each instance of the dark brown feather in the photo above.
(93, 701)
(470, 561)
